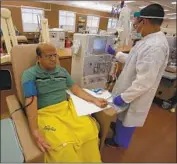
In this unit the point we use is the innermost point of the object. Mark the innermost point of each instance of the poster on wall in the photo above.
(81, 26)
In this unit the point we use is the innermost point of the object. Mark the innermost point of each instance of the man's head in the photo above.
(150, 19)
(47, 56)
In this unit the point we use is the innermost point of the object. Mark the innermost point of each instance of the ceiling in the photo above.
(106, 6)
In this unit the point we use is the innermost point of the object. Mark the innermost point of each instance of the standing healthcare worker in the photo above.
(140, 78)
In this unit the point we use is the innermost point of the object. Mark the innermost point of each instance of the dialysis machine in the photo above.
(57, 38)
(91, 63)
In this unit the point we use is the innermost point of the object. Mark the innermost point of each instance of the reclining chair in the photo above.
(23, 57)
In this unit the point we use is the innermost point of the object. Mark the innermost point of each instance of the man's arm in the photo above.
(31, 112)
(30, 94)
(32, 116)
(76, 90)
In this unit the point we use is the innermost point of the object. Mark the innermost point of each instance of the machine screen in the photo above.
(99, 46)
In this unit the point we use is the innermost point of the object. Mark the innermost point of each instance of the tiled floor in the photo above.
(155, 142)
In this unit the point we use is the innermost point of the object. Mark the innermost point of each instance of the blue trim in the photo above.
(137, 14)
(29, 89)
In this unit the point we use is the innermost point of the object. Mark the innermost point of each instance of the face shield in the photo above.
(137, 20)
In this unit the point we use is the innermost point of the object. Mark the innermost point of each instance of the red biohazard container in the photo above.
(68, 43)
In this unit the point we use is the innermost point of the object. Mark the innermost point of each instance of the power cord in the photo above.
(23, 107)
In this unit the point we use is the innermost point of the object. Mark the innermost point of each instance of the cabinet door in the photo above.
(66, 63)
(10, 90)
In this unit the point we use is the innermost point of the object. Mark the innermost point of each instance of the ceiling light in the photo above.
(171, 14)
(173, 18)
(141, 7)
(129, 1)
(92, 5)
(173, 3)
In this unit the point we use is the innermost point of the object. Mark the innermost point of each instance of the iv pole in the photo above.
(44, 31)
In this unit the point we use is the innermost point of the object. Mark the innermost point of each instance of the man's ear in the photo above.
(37, 58)
(58, 61)
(146, 21)
(143, 21)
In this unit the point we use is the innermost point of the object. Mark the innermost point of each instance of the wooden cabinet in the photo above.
(65, 58)
(65, 62)
(5, 93)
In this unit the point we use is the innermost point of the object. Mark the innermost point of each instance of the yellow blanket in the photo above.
(72, 138)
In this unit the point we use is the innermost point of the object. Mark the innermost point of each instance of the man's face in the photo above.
(49, 57)
(142, 26)
(138, 25)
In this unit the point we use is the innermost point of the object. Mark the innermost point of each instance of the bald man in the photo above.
(54, 124)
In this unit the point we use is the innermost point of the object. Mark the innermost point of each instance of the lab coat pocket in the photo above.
(135, 119)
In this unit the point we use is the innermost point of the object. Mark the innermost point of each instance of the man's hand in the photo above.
(42, 144)
(102, 103)
(76, 90)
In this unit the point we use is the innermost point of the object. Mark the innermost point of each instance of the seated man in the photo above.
(53, 121)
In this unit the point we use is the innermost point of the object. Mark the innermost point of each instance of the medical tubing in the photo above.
(23, 107)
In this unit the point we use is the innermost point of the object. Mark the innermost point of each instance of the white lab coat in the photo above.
(140, 78)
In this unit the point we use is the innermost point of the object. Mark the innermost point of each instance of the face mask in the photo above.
(135, 34)
(138, 35)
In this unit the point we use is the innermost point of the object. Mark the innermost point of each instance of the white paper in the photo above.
(86, 108)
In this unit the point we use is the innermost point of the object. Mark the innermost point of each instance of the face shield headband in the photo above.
(138, 15)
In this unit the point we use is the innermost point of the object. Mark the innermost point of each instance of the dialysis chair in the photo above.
(23, 57)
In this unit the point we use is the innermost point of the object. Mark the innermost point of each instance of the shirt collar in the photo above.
(153, 34)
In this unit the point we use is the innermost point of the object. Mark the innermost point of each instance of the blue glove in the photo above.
(110, 50)
(118, 101)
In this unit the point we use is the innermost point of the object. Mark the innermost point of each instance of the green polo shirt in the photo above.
(50, 87)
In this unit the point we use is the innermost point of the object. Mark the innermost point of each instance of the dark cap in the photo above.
(152, 11)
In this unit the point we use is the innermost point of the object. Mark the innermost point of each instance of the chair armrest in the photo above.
(104, 120)
(12, 104)
(30, 150)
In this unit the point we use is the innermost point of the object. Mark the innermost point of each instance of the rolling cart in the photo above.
(167, 92)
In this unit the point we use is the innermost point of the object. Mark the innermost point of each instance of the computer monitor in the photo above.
(99, 45)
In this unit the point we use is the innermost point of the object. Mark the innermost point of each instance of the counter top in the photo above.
(124, 49)
(63, 54)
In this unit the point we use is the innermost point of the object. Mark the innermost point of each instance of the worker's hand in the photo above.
(102, 103)
(118, 101)
(41, 142)
(110, 50)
